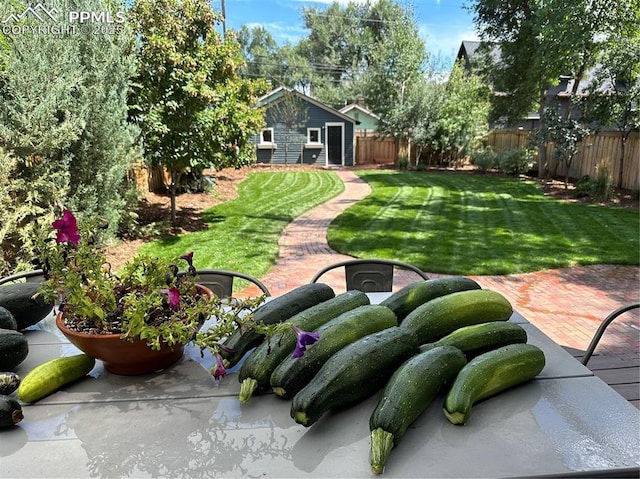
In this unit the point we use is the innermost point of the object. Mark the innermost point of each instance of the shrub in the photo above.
(515, 161)
(484, 158)
(602, 186)
(584, 187)
(403, 162)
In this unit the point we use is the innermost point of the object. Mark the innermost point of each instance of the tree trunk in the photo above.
(542, 146)
(175, 181)
(623, 143)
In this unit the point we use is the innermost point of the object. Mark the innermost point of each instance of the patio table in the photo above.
(182, 423)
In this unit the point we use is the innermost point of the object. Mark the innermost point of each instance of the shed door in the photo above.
(335, 143)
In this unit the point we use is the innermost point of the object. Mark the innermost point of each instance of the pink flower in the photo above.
(173, 294)
(304, 339)
(220, 371)
(67, 229)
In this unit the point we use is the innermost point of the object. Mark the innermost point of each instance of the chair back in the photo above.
(221, 281)
(603, 327)
(369, 275)
(34, 276)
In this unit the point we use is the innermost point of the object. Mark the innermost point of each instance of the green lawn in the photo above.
(243, 233)
(470, 224)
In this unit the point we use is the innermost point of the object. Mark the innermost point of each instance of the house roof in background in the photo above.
(469, 49)
(275, 95)
(355, 106)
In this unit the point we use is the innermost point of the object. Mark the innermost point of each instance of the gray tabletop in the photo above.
(182, 423)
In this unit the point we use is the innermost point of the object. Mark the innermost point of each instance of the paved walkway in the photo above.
(567, 304)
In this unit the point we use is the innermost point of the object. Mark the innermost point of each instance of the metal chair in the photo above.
(35, 276)
(369, 275)
(220, 281)
(602, 328)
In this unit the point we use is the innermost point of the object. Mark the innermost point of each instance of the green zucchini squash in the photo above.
(52, 375)
(411, 389)
(9, 382)
(274, 311)
(25, 302)
(7, 321)
(436, 318)
(479, 338)
(10, 412)
(14, 349)
(256, 370)
(353, 374)
(407, 299)
(489, 374)
(292, 374)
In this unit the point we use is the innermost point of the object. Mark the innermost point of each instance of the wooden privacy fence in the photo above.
(149, 178)
(374, 149)
(604, 146)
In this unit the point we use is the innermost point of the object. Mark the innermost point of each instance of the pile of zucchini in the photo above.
(22, 306)
(440, 336)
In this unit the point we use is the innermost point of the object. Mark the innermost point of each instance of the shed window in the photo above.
(267, 136)
(313, 135)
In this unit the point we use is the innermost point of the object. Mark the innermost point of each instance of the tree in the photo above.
(463, 116)
(64, 135)
(566, 134)
(614, 92)
(279, 65)
(397, 62)
(194, 109)
(366, 50)
(291, 111)
(538, 42)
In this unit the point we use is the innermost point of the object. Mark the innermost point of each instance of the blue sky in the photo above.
(443, 24)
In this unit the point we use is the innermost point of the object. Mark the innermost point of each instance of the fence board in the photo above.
(604, 146)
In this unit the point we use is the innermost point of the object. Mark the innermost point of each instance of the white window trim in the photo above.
(314, 144)
(267, 144)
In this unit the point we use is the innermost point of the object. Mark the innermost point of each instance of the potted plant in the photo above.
(136, 320)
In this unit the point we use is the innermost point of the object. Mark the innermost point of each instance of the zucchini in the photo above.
(9, 382)
(441, 316)
(257, 368)
(14, 349)
(7, 321)
(411, 389)
(52, 375)
(274, 311)
(292, 374)
(25, 302)
(353, 374)
(479, 338)
(407, 299)
(489, 374)
(10, 412)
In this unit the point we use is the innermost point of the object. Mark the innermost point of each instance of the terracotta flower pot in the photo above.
(126, 358)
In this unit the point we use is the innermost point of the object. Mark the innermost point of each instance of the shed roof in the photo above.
(274, 95)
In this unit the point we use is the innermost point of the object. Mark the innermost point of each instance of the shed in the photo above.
(302, 130)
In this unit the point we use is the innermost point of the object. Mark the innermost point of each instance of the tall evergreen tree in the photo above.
(63, 123)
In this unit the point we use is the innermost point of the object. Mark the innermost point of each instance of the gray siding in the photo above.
(291, 147)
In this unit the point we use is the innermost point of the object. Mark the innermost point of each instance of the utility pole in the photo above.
(224, 19)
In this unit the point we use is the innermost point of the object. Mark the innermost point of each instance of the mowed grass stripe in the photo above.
(243, 233)
(469, 224)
